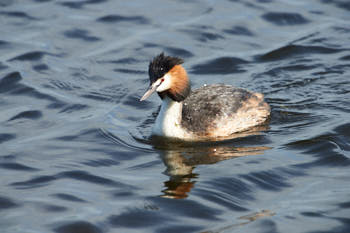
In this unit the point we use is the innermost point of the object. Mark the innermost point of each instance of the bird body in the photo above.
(211, 112)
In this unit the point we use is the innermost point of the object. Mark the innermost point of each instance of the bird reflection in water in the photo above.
(181, 158)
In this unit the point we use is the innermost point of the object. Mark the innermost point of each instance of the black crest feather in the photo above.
(161, 65)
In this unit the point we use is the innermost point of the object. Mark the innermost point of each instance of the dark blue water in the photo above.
(75, 154)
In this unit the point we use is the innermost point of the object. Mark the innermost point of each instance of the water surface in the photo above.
(75, 150)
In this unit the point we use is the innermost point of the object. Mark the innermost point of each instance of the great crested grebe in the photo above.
(211, 112)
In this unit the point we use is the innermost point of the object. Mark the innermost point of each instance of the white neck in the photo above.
(168, 122)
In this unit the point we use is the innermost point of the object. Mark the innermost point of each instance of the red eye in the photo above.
(162, 80)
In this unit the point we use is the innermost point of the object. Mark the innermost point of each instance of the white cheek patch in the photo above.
(165, 85)
(156, 83)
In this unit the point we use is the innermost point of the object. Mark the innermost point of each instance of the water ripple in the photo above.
(267, 180)
(36, 182)
(284, 18)
(222, 65)
(80, 34)
(6, 137)
(77, 226)
(17, 14)
(80, 4)
(328, 149)
(239, 30)
(120, 18)
(68, 197)
(85, 176)
(17, 167)
(30, 56)
(137, 218)
(7, 203)
(292, 51)
(33, 115)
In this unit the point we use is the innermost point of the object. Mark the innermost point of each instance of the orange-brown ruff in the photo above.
(212, 112)
(180, 83)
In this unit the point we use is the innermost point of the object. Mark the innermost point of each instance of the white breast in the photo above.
(168, 122)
